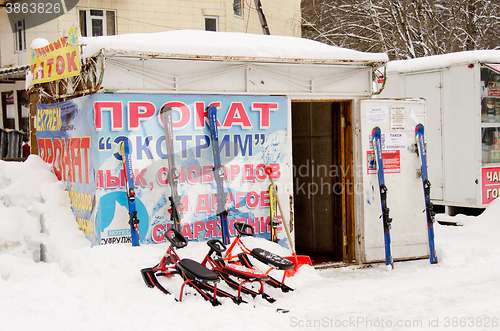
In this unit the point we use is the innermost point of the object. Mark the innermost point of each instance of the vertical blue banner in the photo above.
(65, 133)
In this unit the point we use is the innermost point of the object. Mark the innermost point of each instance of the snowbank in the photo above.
(477, 240)
(35, 212)
(100, 288)
(225, 45)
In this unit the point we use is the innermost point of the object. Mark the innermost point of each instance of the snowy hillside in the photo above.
(82, 288)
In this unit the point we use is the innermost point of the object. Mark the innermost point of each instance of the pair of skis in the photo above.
(219, 174)
(173, 179)
(176, 207)
(377, 146)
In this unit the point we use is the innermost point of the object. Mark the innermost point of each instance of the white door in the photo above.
(432, 92)
(405, 198)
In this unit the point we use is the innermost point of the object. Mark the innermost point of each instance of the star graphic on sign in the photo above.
(73, 38)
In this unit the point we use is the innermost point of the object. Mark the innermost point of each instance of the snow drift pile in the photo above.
(32, 199)
(96, 288)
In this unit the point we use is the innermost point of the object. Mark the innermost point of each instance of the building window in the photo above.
(9, 111)
(20, 31)
(97, 22)
(238, 8)
(23, 103)
(211, 23)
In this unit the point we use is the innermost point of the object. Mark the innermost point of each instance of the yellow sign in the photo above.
(60, 59)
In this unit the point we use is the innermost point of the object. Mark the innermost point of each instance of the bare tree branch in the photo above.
(404, 28)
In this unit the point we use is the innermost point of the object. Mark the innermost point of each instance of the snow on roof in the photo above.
(443, 61)
(225, 45)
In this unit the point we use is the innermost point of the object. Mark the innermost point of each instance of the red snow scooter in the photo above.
(274, 261)
(194, 274)
(234, 273)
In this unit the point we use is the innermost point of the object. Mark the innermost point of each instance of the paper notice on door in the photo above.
(395, 140)
(375, 115)
(398, 118)
(391, 161)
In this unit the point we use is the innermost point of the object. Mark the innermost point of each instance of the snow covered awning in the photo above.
(8, 75)
(443, 61)
(226, 46)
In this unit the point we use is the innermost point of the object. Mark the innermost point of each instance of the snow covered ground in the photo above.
(100, 288)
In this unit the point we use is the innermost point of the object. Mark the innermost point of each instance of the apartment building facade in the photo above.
(23, 21)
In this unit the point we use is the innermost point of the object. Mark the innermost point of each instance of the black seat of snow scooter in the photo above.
(196, 271)
(192, 269)
(271, 259)
(260, 254)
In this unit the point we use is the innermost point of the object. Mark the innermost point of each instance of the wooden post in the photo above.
(34, 99)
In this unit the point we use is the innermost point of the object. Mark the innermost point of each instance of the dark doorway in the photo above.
(323, 184)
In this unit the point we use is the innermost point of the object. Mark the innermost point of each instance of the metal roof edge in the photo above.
(15, 69)
(121, 53)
